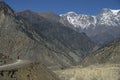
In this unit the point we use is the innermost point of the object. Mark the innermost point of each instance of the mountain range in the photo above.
(101, 28)
(28, 35)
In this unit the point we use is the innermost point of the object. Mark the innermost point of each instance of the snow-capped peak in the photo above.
(108, 17)
(71, 13)
(79, 20)
(106, 10)
(115, 11)
(101, 28)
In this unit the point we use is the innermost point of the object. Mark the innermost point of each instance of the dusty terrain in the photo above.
(93, 72)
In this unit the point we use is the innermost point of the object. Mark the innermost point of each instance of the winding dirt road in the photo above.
(19, 63)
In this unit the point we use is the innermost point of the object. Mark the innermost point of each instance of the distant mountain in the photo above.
(28, 35)
(108, 54)
(102, 28)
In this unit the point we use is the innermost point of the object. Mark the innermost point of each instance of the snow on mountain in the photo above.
(79, 20)
(108, 17)
(115, 11)
(105, 17)
(101, 28)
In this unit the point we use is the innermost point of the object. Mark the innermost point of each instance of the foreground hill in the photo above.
(94, 72)
(27, 71)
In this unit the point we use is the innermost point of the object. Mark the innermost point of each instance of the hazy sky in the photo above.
(63, 6)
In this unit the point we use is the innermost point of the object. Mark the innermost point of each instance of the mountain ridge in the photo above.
(97, 27)
(75, 15)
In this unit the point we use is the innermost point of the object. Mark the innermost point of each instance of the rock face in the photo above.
(102, 28)
(33, 71)
(108, 54)
(27, 35)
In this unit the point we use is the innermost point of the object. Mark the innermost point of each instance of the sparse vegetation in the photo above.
(94, 72)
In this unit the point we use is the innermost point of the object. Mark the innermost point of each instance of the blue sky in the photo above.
(62, 6)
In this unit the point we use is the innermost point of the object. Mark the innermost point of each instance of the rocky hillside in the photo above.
(29, 36)
(108, 54)
(32, 71)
